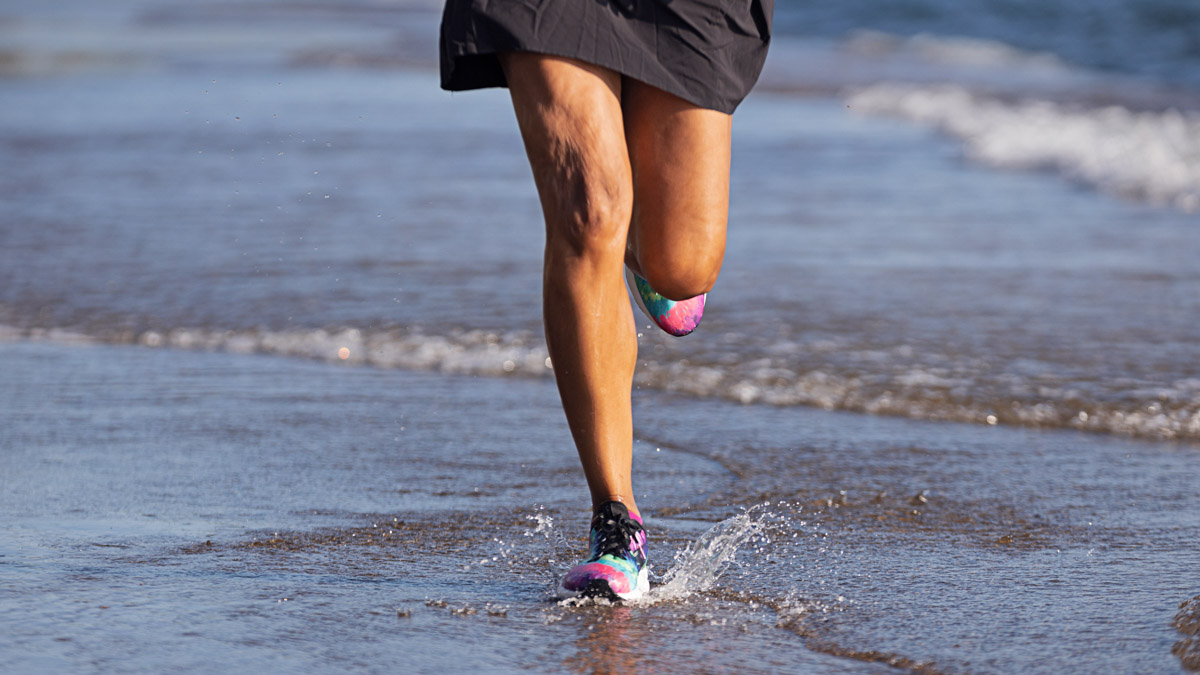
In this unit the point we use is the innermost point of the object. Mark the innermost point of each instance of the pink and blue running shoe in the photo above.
(677, 317)
(615, 569)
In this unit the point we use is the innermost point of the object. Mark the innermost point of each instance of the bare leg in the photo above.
(570, 118)
(582, 125)
(680, 161)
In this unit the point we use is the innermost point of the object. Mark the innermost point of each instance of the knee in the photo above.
(682, 278)
(682, 264)
(588, 214)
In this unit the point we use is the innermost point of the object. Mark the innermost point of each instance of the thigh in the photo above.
(679, 155)
(571, 121)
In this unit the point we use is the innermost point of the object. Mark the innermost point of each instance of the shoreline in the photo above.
(521, 354)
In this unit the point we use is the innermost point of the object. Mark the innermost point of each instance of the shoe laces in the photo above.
(615, 532)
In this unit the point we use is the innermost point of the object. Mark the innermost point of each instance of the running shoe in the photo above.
(675, 317)
(616, 566)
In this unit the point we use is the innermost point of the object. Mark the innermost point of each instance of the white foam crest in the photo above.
(963, 392)
(1151, 156)
(705, 560)
(959, 394)
(471, 352)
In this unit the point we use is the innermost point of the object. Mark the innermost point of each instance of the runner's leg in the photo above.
(679, 156)
(570, 117)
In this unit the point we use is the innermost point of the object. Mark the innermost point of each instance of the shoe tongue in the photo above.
(612, 511)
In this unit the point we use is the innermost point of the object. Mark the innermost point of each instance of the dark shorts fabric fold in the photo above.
(708, 52)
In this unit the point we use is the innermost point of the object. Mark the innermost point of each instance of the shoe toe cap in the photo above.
(683, 317)
(581, 576)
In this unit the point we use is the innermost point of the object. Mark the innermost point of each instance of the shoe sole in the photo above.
(599, 588)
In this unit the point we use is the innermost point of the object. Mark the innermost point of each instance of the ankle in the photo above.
(627, 502)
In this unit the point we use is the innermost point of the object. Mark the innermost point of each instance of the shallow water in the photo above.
(339, 517)
(274, 392)
(351, 517)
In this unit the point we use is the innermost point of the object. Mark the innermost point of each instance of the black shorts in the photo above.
(707, 52)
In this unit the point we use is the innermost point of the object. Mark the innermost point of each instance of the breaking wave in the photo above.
(1151, 156)
(1014, 108)
(906, 388)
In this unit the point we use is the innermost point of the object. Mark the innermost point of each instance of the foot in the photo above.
(616, 566)
(675, 317)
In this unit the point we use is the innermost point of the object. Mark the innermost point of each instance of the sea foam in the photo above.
(906, 385)
(1152, 155)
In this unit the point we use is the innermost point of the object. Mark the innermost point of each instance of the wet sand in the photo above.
(191, 510)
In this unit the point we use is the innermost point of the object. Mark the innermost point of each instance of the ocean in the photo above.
(275, 393)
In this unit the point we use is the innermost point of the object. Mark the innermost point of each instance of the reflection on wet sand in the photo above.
(608, 643)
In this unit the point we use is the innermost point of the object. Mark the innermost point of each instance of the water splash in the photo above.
(694, 570)
(699, 566)
(555, 553)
